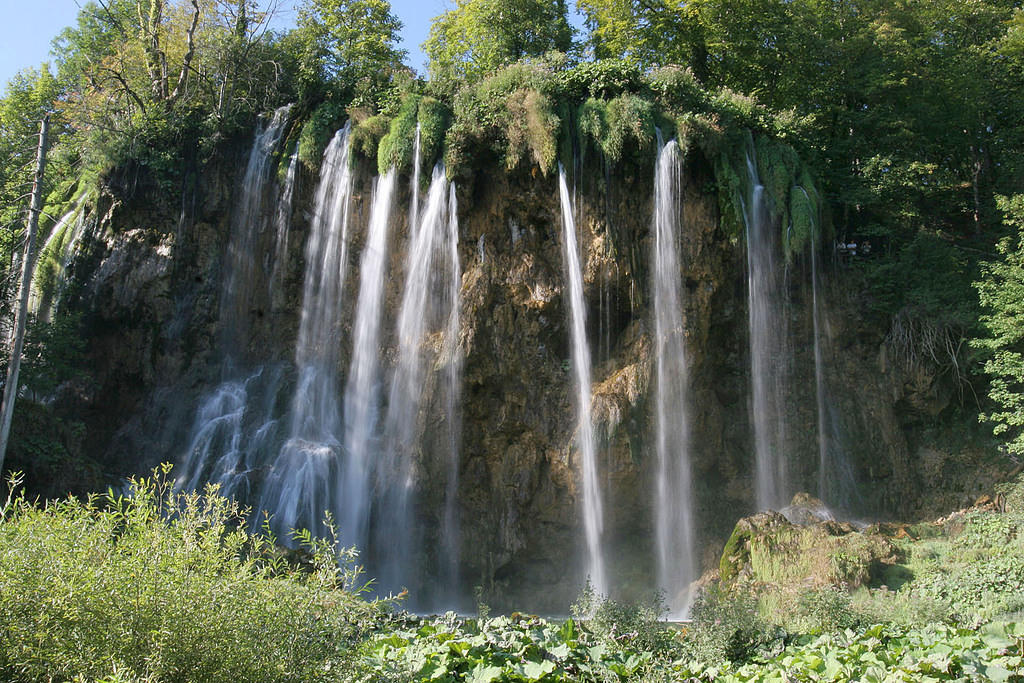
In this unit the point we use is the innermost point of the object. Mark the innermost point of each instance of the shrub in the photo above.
(602, 78)
(727, 627)
(625, 626)
(676, 88)
(827, 610)
(160, 585)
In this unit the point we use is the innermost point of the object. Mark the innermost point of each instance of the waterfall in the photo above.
(58, 250)
(837, 485)
(299, 487)
(232, 433)
(414, 188)
(283, 223)
(768, 352)
(234, 426)
(450, 527)
(361, 391)
(819, 373)
(396, 469)
(248, 220)
(675, 543)
(592, 507)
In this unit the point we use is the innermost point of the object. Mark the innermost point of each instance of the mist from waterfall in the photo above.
(769, 357)
(305, 475)
(674, 529)
(593, 514)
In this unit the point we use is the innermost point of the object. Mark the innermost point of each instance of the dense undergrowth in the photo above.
(157, 585)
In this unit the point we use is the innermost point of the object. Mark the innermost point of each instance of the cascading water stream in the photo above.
(361, 391)
(837, 485)
(247, 221)
(58, 249)
(283, 223)
(768, 353)
(414, 189)
(233, 428)
(675, 542)
(819, 372)
(301, 484)
(593, 515)
(232, 433)
(396, 469)
(450, 527)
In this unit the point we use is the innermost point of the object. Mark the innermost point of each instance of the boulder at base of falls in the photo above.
(803, 547)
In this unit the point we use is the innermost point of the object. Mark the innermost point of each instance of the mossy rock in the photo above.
(769, 550)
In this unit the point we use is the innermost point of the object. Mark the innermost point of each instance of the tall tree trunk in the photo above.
(27, 267)
(156, 65)
(189, 52)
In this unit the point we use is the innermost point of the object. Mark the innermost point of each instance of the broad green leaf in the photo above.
(535, 670)
(560, 651)
(484, 674)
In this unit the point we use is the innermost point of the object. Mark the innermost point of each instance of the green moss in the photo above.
(531, 130)
(735, 554)
(367, 134)
(396, 148)
(434, 118)
(630, 120)
(613, 126)
(592, 122)
(792, 199)
(803, 221)
(733, 189)
(54, 244)
(317, 131)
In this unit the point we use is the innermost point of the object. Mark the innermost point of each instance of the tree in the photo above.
(12, 385)
(903, 102)
(1001, 291)
(353, 42)
(481, 36)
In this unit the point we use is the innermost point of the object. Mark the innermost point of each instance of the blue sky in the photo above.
(28, 26)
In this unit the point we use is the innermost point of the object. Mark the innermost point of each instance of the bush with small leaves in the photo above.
(159, 585)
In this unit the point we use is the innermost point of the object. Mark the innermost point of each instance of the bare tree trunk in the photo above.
(179, 87)
(156, 61)
(27, 267)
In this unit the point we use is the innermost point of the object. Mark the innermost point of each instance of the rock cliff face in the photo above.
(149, 282)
